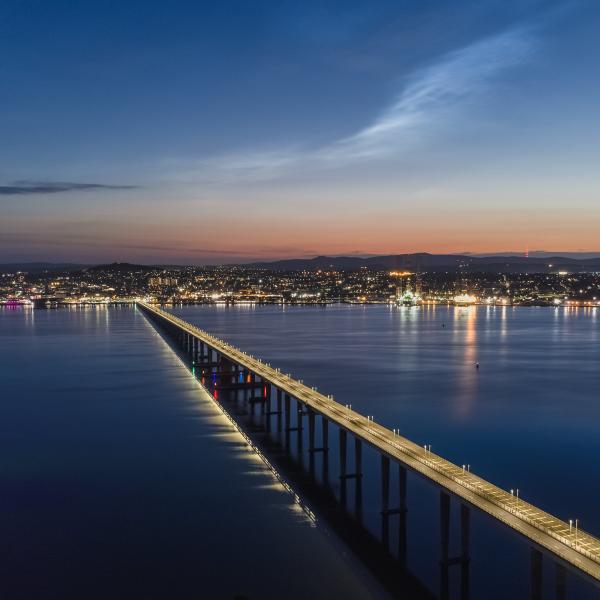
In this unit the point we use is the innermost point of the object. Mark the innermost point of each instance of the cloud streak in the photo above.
(432, 99)
(20, 188)
(436, 95)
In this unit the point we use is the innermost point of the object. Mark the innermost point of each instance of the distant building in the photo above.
(162, 281)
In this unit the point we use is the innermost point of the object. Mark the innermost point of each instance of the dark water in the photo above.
(119, 478)
(528, 418)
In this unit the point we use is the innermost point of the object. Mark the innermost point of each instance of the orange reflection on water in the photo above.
(468, 379)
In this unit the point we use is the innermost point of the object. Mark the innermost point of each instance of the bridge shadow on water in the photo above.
(370, 513)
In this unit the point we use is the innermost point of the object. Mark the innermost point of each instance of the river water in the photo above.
(121, 478)
(527, 418)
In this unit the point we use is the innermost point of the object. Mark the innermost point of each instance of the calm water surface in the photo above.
(119, 478)
(528, 418)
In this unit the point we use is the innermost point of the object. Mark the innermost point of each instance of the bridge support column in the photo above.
(385, 501)
(288, 408)
(561, 581)
(358, 479)
(325, 438)
(536, 574)
(464, 551)
(299, 415)
(445, 543)
(195, 351)
(343, 466)
(249, 392)
(226, 371)
(463, 559)
(279, 408)
(299, 426)
(311, 442)
(402, 534)
(267, 406)
(263, 404)
(357, 475)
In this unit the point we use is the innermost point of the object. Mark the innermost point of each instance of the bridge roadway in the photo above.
(575, 547)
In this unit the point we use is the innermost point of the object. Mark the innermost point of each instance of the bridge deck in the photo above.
(577, 548)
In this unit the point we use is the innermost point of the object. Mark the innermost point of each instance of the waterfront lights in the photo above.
(465, 299)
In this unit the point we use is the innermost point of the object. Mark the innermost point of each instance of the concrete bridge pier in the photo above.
(445, 541)
(323, 448)
(357, 475)
(267, 406)
(358, 478)
(463, 559)
(387, 513)
(561, 581)
(287, 414)
(279, 408)
(402, 534)
(311, 442)
(536, 574)
(226, 371)
(248, 390)
(299, 428)
(325, 445)
(385, 502)
(464, 550)
(183, 341)
(343, 467)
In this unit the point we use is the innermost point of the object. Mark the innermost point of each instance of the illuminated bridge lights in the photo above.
(578, 548)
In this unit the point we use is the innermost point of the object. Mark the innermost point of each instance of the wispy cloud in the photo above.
(46, 187)
(247, 166)
(432, 99)
(436, 95)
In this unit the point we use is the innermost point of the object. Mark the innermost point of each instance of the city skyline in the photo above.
(208, 134)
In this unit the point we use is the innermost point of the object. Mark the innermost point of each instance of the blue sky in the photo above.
(212, 132)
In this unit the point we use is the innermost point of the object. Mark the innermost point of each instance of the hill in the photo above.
(439, 262)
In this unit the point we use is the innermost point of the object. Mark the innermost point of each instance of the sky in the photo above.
(219, 132)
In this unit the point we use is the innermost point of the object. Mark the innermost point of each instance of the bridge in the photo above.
(566, 541)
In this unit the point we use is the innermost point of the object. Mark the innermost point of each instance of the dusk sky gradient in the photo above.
(197, 132)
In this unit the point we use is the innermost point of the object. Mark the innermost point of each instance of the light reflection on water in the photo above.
(121, 479)
(528, 413)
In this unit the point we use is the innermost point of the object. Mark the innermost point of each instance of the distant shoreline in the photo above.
(53, 304)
